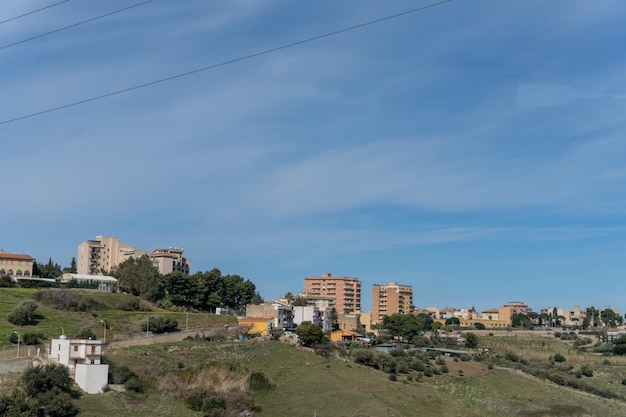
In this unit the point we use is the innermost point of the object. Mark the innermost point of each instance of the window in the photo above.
(75, 348)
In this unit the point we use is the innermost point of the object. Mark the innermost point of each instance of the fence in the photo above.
(25, 351)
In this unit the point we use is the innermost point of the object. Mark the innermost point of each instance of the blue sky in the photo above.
(474, 150)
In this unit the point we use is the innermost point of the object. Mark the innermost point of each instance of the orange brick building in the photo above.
(346, 291)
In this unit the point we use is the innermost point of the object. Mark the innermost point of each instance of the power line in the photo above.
(76, 24)
(221, 64)
(33, 12)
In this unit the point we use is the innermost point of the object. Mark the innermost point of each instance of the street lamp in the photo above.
(18, 343)
(105, 330)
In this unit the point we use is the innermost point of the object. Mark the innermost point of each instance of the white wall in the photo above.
(91, 378)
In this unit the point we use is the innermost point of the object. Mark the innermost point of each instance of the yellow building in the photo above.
(261, 325)
(343, 336)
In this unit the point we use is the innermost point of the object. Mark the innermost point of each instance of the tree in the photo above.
(608, 317)
(479, 326)
(619, 345)
(407, 326)
(139, 277)
(257, 299)
(521, 320)
(471, 340)
(72, 269)
(309, 334)
(179, 288)
(453, 321)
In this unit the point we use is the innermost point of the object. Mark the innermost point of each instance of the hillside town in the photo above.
(330, 301)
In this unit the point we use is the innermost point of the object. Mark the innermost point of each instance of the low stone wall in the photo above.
(168, 337)
(14, 365)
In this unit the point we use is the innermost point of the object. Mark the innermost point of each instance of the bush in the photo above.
(417, 365)
(511, 356)
(33, 338)
(65, 300)
(428, 372)
(129, 304)
(393, 377)
(479, 326)
(558, 357)
(7, 282)
(586, 371)
(160, 324)
(23, 314)
(86, 334)
(557, 379)
(206, 401)
(134, 384)
(444, 369)
(258, 381)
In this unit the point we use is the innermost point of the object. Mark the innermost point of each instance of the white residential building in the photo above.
(84, 358)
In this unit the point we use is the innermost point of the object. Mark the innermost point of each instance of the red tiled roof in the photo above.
(16, 256)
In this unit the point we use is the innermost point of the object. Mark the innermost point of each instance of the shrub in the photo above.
(444, 369)
(511, 356)
(393, 377)
(258, 381)
(129, 304)
(206, 401)
(7, 282)
(23, 314)
(586, 371)
(417, 365)
(86, 334)
(479, 326)
(490, 366)
(428, 372)
(33, 338)
(65, 300)
(160, 324)
(134, 384)
(557, 379)
(440, 361)
(365, 357)
(558, 357)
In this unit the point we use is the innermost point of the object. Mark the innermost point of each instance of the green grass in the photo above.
(306, 383)
(51, 321)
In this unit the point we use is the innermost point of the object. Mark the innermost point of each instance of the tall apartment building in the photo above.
(106, 253)
(345, 291)
(102, 253)
(391, 299)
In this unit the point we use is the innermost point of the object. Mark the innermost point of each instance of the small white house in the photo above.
(83, 357)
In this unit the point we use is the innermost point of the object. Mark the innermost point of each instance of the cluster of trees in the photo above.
(407, 326)
(202, 290)
(594, 317)
(44, 391)
(52, 269)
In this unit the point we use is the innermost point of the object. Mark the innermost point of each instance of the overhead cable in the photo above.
(221, 64)
(33, 12)
(75, 24)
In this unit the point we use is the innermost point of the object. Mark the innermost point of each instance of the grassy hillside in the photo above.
(305, 383)
(102, 306)
(513, 379)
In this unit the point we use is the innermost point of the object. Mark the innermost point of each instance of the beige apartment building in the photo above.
(106, 253)
(345, 291)
(391, 299)
(16, 265)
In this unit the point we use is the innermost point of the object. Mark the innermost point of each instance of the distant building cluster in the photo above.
(325, 293)
(106, 253)
(97, 258)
